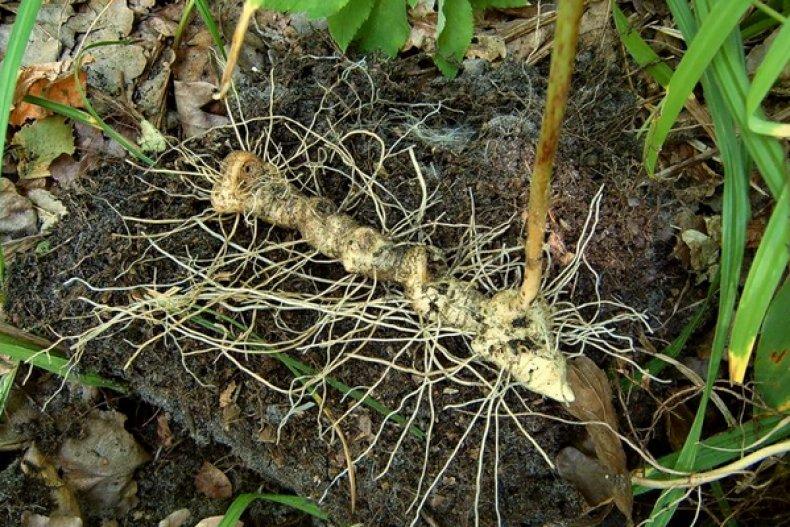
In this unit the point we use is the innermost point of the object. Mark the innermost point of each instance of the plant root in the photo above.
(514, 339)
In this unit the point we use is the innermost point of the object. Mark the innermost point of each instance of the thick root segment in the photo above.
(514, 337)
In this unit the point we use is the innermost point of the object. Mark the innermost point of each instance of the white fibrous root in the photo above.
(512, 336)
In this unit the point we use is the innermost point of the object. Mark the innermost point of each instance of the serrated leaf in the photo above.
(454, 31)
(41, 143)
(772, 359)
(344, 24)
(498, 4)
(386, 29)
(313, 8)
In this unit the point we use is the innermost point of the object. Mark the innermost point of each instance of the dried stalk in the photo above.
(562, 57)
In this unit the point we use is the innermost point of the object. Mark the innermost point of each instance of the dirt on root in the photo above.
(474, 150)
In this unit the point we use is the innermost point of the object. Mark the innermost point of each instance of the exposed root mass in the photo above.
(515, 339)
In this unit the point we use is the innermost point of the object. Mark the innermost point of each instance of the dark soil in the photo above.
(497, 110)
(164, 485)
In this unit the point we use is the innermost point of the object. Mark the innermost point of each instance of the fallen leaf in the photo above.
(49, 34)
(16, 424)
(113, 67)
(53, 81)
(17, 216)
(593, 403)
(37, 465)
(212, 482)
(190, 99)
(40, 143)
(176, 518)
(586, 474)
(226, 397)
(50, 209)
(100, 465)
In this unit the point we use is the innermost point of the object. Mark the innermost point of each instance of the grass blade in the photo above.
(767, 72)
(17, 42)
(766, 271)
(735, 216)
(243, 501)
(700, 52)
(204, 11)
(53, 363)
(6, 383)
(640, 50)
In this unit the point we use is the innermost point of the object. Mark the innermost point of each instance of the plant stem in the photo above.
(235, 47)
(563, 55)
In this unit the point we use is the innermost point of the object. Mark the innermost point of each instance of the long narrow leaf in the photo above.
(243, 501)
(640, 50)
(700, 52)
(735, 216)
(51, 362)
(204, 11)
(767, 72)
(17, 42)
(770, 263)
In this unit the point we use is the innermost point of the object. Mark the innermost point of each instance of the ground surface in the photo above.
(475, 147)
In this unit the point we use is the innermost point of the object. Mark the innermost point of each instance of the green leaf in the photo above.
(313, 8)
(772, 358)
(211, 24)
(17, 42)
(6, 383)
(454, 32)
(51, 362)
(770, 263)
(767, 72)
(640, 50)
(735, 216)
(386, 29)
(499, 4)
(344, 24)
(41, 142)
(243, 501)
(703, 47)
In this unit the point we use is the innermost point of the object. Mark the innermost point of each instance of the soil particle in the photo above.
(473, 137)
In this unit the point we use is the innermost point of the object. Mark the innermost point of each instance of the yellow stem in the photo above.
(562, 58)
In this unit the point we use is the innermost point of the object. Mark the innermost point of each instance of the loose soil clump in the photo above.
(473, 138)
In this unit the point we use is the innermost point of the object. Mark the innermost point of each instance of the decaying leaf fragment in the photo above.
(40, 143)
(212, 482)
(53, 81)
(593, 404)
(99, 466)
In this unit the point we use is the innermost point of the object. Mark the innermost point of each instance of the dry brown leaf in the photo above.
(594, 403)
(17, 215)
(37, 465)
(53, 81)
(212, 482)
(100, 465)
(586, 474)
(190, 99)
